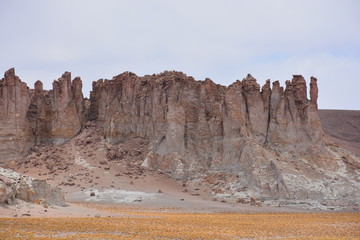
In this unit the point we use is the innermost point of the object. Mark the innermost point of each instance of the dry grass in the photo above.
(145, 224)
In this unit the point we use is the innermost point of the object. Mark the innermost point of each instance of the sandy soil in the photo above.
(144, 224)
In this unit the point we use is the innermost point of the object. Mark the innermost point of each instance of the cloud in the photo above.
(223, 40)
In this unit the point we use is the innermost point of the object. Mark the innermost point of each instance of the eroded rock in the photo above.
(31, 117)
(16, 186)
(242, 141)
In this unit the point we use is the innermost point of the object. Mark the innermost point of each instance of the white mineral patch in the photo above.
(9, 173)
(112, 196)
(14, 176)
(82, 162)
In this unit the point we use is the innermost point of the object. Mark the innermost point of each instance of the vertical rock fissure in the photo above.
(268, 121)
(247, 109)
(287, 108)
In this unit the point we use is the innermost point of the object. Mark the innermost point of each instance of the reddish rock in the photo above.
(36, 116)
(68, 108)
(314, 90)
(57, 115)
(15, 134)
(199, 124)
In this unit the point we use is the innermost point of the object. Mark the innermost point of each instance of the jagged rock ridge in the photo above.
(248, 141)
(30, 117)
(269, 143)
(204, 125)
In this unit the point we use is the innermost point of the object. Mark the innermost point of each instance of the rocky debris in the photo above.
(15, 186)
(131, 151)
(51, 158)
(254, 202)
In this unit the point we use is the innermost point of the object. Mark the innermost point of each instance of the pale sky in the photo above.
(223, 40)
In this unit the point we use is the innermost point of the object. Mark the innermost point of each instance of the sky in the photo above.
(223, 40)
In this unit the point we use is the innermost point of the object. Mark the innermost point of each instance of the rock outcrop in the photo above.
(15, 134)
(242, 141)
(343, 126)
(57, 115)
(201, 125)
(30, 117)
(269, 143)
(15, 186)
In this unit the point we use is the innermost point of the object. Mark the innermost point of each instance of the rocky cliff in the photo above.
(15, 132)
(245, 139)
(201, 125)
(57, 115)
(240, 141)
(30, 117)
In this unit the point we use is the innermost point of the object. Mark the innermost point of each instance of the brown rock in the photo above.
(313, 90)
(201, 124)
(37, 116)
(15, 134)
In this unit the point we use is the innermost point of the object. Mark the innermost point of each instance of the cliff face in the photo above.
(241, 141)
(30, 117)
(15, 134)
(201, 125)
(248, 141)
(57, 115)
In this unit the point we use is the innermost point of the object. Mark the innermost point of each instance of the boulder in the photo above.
(16, 186)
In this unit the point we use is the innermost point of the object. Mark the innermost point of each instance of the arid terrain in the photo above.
(166, 156)
(343, 126)
(149, 224)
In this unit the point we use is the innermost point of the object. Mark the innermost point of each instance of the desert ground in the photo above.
(142, 223)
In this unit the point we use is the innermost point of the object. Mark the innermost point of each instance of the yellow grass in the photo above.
(144, 224)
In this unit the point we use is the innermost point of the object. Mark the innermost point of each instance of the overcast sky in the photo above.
(223, 40)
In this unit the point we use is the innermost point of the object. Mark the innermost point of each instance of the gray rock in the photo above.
(27, 189)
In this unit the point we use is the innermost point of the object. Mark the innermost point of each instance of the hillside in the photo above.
(343, 126)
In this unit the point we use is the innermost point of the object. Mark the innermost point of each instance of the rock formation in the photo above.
(242, 141)
(30, 117)
(15, 134)
(15, 186)
(266, 143)
(201, 125)
(57, 115)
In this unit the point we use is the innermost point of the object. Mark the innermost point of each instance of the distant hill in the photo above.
(343, 126)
